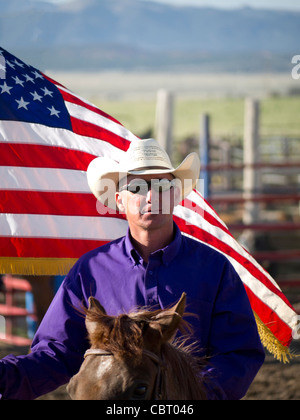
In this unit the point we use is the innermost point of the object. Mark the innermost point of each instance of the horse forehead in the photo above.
(105, 366)
(114, 368)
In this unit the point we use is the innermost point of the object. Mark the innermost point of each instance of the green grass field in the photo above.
(280, 116)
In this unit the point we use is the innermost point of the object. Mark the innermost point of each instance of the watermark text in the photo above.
(296, 68)
(2, 327)
(296, 329)
(2, 67)
(139, 202)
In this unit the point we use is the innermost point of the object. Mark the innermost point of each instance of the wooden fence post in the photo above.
(204, 154)
(164, 120)
(251, 178)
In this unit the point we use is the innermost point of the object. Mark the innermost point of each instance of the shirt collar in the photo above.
(167, 253)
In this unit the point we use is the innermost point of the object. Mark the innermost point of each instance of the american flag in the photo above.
(48, 216)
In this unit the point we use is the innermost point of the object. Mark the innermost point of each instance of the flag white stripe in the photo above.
(62, 227)
(43, 179)
(28, 133)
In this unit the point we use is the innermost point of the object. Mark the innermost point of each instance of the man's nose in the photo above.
(152, 195)
(149, 195)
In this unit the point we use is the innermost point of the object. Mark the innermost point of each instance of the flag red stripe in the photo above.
(84, 128)
(46, 247)
(36, 156)
(55, 203)
(206, 237)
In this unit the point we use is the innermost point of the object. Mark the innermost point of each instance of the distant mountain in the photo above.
(130, 33)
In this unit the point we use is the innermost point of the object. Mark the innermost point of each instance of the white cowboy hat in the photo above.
(143, 157)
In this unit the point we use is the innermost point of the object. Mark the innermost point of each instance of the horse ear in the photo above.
(180, 305)
(167, 322)
(94, 305)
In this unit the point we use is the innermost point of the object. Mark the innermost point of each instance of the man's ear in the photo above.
(119, 202)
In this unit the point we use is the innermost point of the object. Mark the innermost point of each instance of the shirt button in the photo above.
(151, 273)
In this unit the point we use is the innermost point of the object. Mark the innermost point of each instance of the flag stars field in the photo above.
(30, 93)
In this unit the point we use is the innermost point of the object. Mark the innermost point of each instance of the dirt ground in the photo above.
(275, 381)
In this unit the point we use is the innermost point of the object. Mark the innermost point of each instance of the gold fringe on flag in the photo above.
(36, 266)
(271, 343)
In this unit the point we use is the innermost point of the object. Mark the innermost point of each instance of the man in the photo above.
(152, 265)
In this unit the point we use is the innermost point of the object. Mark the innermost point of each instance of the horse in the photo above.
(135, 357)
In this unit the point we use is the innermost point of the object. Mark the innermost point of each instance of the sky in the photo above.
(226, 4)
(268, 4)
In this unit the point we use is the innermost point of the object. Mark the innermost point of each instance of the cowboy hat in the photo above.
(143, 157)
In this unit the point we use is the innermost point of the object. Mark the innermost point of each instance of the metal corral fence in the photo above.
(254, 185)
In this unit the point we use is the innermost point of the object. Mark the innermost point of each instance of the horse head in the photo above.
(126, 357)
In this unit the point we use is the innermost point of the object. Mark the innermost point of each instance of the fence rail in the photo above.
(236, 199)
(266, 227)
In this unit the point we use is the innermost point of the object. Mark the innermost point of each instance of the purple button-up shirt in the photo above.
(118, 277)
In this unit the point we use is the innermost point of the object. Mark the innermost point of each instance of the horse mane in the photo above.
(184, 370)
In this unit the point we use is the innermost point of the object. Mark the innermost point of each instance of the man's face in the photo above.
(142, 202)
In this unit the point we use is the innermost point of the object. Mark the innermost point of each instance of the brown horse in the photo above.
(132, 358)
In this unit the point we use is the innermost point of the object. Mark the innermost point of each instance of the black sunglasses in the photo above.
(140, 186)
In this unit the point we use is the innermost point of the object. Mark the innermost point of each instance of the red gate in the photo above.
(10, 311)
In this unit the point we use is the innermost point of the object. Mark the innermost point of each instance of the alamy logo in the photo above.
(2, 326)
(296, 330)
(296, 68)
(2, 67)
